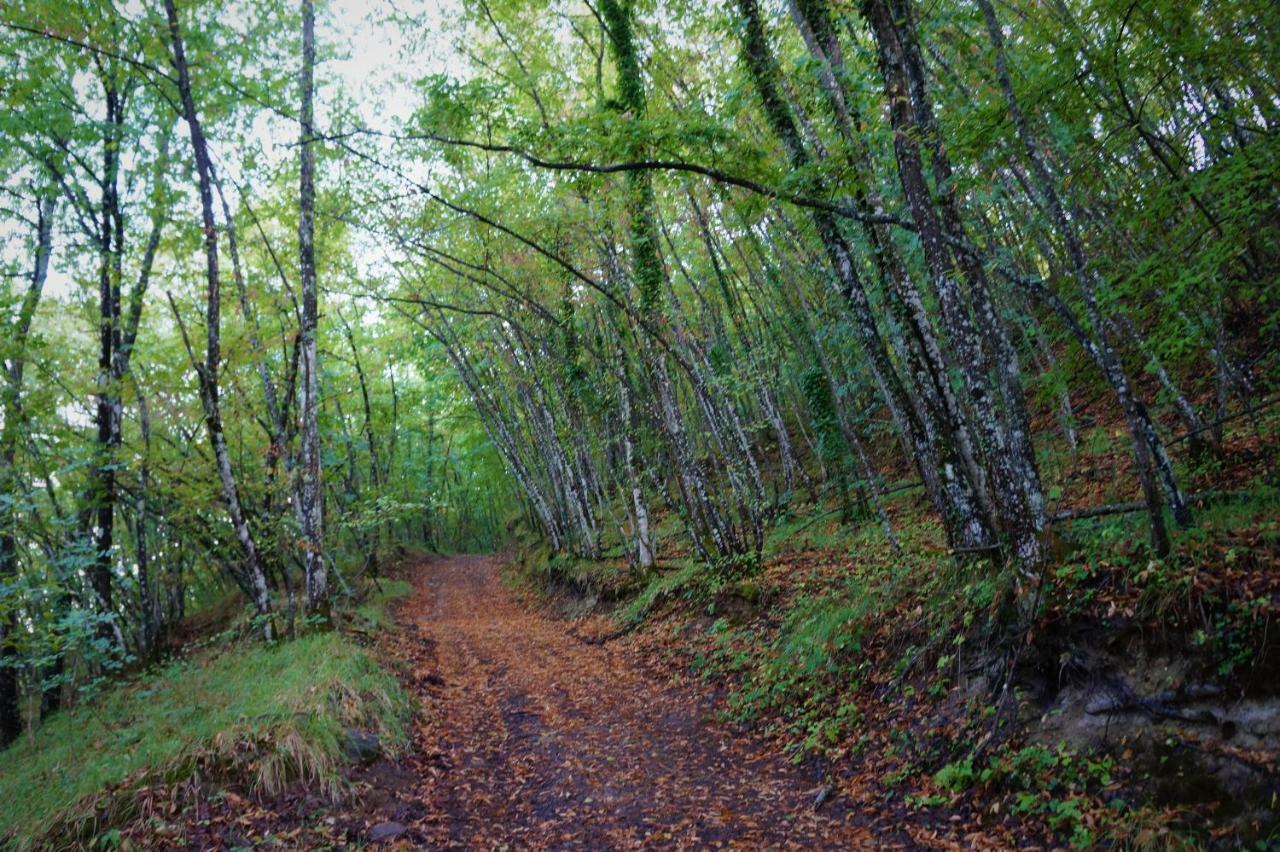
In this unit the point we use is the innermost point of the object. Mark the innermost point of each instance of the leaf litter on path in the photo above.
(531, 738)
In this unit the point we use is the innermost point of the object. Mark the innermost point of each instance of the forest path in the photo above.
(534, 738)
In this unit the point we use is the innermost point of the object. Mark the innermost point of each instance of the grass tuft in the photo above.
(265, 716)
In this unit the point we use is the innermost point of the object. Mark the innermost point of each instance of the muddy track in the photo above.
(532, 738)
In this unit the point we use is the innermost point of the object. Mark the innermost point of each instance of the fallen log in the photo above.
(1140, 506)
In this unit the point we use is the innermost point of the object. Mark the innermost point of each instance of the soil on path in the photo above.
(530, 737)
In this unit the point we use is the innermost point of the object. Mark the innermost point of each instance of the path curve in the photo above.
(531, 737)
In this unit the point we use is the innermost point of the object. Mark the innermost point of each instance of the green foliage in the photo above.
(524, 333)
(814, 659)
(663, 585)
(374, 610)
(1053, 783)
(262, 715)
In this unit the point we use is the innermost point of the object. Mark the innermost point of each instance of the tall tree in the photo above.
(1149, 451)
(311, 490)
(952, 478)
(252, 576)
(12, 490)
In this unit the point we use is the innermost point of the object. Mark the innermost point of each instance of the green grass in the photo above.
(660, 586)
(261, 715)
(374, 609)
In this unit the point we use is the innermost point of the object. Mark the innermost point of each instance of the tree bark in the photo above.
(108, 414)
(1016, 490)
(311, 492)
(956, 496)
(207, 374)
(11, 487)
(1148, 447)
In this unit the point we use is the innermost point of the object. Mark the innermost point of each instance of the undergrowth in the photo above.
(693, 582)
(262, 715)
(374, 609)
(924, 672)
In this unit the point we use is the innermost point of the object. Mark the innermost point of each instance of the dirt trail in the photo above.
(533, 738)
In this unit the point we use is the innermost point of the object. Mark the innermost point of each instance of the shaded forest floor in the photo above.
(528, 736)
(698, 706)
(533, 737)
(537, 731)
(1138, 708)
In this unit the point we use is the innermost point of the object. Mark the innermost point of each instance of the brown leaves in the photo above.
(530, 736)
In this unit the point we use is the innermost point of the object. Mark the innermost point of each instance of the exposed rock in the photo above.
(363, 746)
(1189, 742)
(739, 602)
(386, 831)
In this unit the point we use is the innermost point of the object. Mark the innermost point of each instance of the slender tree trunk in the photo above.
(152, 620)
(644, 545)
(375, 469)
(1018, 498)
(938, 408)
(649, 277)
(369, 540)
(311, 490)
(495, 424)
(109, 408)
(956, 495)
(1191, 421)
(207, 374)
(1148, 447)
(11, 487)
(269, 393)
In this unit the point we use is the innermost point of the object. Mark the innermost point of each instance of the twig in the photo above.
(1139, 506)
(1216, 423)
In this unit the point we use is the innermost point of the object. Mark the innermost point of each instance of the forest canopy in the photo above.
(286, 285)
